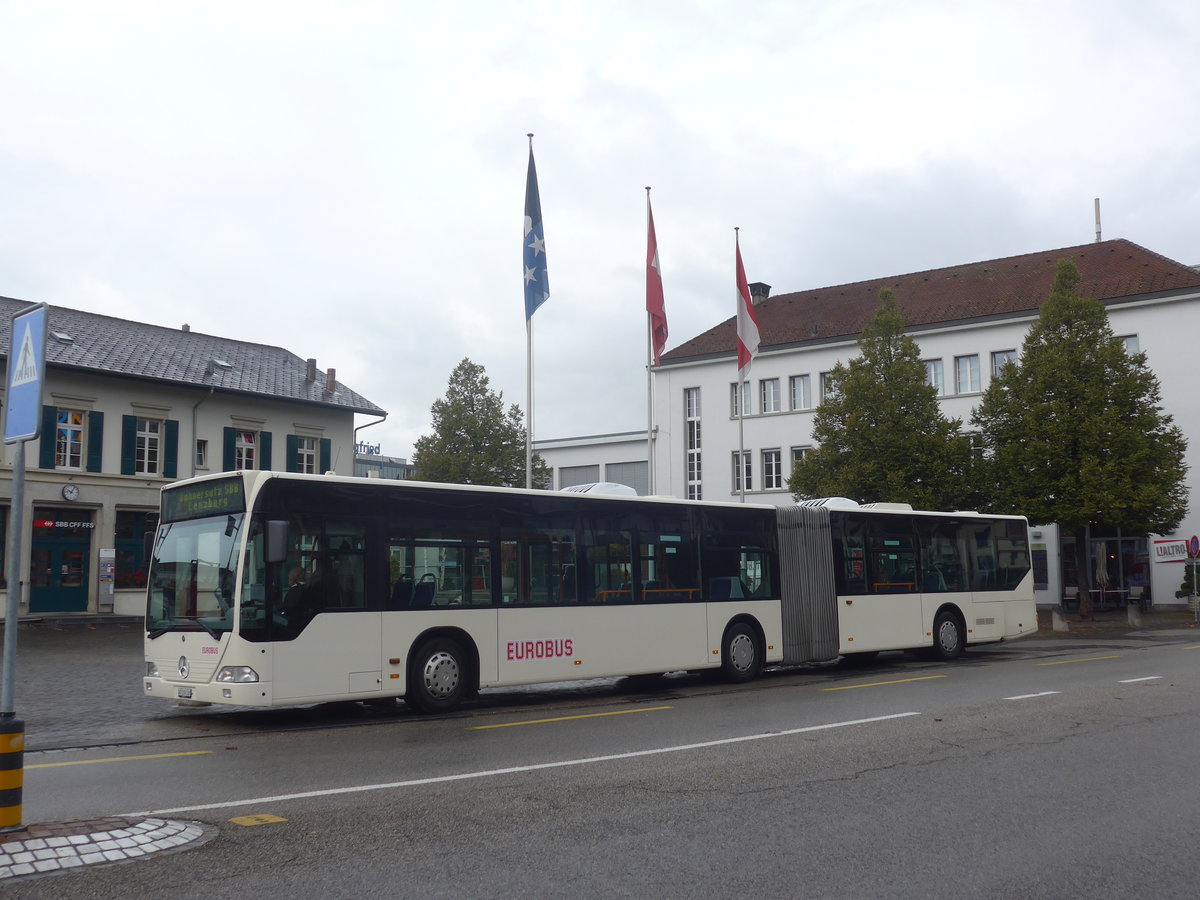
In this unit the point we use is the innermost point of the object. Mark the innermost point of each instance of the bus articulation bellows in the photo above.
(273, 589)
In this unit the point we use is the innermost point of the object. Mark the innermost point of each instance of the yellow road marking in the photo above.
(854, 687)
(620, 712)
(1067, 662)
(1193, 647)
(260, 819)
(88, 762)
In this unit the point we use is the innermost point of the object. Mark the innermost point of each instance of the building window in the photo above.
(734, 408)
(798, 453)
(769, 396)
(147, 447)
(966, 373)
(801, 392)
(691, 406)
(741, 471)
(3, 545)
(1132, 344)
(1000, 359)
(306, 455)
(201, 453)
(975, 440)
(934, 376)
(569, 476)
(245, 447)
(68, 443)
(772, 466)
(827, 387)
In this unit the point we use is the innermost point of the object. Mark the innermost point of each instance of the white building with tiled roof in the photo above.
(968, 320)
(128, 407)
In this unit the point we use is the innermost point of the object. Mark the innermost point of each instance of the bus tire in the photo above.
(741, 654)
(437, 681)
(948, 638)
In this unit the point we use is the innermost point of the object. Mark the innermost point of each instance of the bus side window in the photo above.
(849, 553)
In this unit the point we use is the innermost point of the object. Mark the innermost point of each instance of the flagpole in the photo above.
(529, 402)
(537, 292)
(529, 381)
(741, 404)
(649, 373)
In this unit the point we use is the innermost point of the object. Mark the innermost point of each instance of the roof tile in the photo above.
(120, 346)
(1110, 270)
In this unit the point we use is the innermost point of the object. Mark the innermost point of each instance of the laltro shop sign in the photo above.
(1177, 551)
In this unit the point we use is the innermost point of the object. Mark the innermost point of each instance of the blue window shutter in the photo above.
(227, 460)
(264, 450)
(293, 450)
(95, 441)
(49, 437)
(326, 445)
(128, 445)
(171, 451)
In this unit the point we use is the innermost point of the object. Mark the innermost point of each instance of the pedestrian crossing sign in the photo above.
(26, 373)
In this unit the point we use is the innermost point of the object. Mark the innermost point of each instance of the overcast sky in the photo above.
(346, 179)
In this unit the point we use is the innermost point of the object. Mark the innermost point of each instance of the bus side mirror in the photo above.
(147, 547)
(277, 540)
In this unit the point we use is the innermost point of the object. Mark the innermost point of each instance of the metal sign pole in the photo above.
(24, 384)
(16, 523)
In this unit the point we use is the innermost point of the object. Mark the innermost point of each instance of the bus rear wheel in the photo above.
(438, 679)
(948, 639)
(741, 655)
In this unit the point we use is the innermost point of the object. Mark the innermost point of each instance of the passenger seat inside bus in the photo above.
(422, 595)
(402, 592)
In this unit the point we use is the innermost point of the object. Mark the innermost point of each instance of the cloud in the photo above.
(346, 180)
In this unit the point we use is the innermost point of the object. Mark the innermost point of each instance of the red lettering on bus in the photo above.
(556, 648)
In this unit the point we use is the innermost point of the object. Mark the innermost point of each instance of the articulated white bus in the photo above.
(271, 589)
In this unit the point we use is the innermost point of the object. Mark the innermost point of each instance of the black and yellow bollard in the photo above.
(12, 771)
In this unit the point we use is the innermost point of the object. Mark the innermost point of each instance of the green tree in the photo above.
(881, 434)
(1075, 433)
(475, 440)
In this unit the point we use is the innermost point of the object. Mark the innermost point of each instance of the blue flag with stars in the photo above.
(537, 277)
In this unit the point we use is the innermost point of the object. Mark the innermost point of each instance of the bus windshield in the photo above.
(192, 576)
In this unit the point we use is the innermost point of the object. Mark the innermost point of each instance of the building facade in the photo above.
(619, 458)
(374, 465)
(129, 407)
(968, 321)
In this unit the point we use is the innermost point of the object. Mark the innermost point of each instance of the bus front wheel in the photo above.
(948, 637)
(741, 656)
(438, 678)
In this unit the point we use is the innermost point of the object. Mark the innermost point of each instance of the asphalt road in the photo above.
(1042, 769)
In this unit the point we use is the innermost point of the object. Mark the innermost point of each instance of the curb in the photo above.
(87, 620)
(47, 849)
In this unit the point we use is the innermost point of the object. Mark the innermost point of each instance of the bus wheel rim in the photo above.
(741, 652)
(948, 636)
(441, 674)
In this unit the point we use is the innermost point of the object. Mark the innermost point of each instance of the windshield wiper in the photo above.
(159, 632)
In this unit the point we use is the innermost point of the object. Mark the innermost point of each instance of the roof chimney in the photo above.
(759, 292)
(186, 327)
(310, 373)
(331, 381)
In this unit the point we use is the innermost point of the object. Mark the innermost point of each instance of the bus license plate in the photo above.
(185, 693)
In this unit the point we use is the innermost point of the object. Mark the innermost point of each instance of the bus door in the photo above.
(879, 602)
(327, 642)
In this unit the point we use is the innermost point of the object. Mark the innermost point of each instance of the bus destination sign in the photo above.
(209, 498)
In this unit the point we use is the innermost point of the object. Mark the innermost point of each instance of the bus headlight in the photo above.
(151, 669)
(237, 675)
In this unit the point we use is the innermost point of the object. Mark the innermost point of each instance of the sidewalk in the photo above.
(1115, 623)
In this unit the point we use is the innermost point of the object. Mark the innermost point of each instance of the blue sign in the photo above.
(26, 374)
